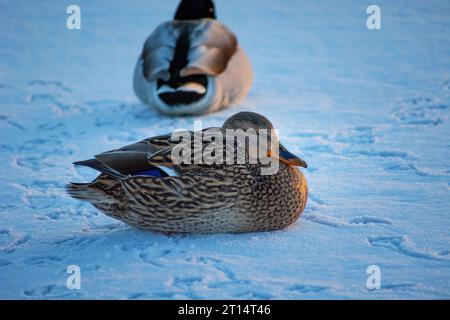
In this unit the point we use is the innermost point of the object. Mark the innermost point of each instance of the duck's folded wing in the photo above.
(211, 46)
(119, 163)
(101, 167)
(137, 156)
(158, 52)
(147, 154)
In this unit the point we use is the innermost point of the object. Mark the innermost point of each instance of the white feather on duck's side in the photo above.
(192, 64)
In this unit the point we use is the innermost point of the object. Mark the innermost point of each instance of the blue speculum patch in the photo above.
(157, 173)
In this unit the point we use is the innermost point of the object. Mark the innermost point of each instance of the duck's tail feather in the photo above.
(100, 166)
(86, 192)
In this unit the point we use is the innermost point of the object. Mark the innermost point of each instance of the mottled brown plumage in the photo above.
(202, 198)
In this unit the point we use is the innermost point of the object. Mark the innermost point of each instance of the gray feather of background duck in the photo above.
(211, 47)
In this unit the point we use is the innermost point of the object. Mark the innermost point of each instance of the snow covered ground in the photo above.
(367, 109)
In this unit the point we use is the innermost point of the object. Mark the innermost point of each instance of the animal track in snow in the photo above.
(356, 135)
(5, 86)
(80, 242)
(154, 257)
(51, 292)
(444, 253)
(421, 111)
(38, 193)
(402, 245)
(101, 122)
(318, 143)
(320, 135)
(379, 153)
(42, 260)
(5, 263)
(5, 236)
(420, 171)
(218, 276)
(340, 223)
(6, 120)
(361, 141)
(45, 146)
(316, 199)
(54, 96)
(186, 282)
(5, 148)
(52, 126)
(215, 275)
(41, 97)
(446, 86)
(50, 83)
(317, 148)
(397, 286)
(186, 286)
(39, 292)
(40, 153)
(308, 289)
(369, 220)
(138, 296)
(10, 240)
(226, 276)
(254, 294)
(7, 207)
(107, 228)
(325, 220)
(34, 163)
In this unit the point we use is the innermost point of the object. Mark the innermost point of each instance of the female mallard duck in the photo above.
(192, 64)
(216, 198)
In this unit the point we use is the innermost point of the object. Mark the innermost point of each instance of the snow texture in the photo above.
(367, 109)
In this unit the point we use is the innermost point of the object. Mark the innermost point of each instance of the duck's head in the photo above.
(195, 9)
(254, 121)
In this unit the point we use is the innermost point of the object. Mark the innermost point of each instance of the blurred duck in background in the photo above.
(192, 64)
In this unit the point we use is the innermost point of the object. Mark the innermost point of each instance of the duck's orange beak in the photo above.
(287, 157)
